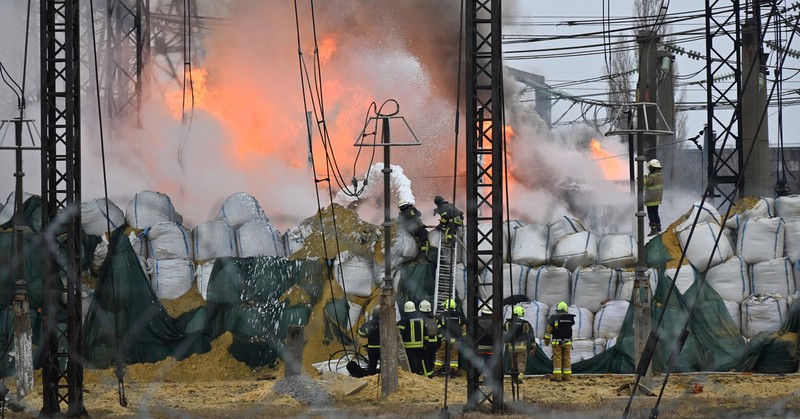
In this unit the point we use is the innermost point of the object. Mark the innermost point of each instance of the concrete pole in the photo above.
(755, 132)
(665, 96)
(388, 320)
(295, 341)
(646, 89)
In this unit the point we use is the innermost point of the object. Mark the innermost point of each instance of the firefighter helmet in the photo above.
(425, 306)
(403, 204)
(654, 164)
(562, 306)
(439, 200)
(449, 304)
(519, 311)
(376, 312)
(409, 307)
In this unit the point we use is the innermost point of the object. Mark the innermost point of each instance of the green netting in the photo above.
(32, 214)
(417, 279)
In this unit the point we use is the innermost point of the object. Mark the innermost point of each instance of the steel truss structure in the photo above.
(484, 132)
(62, 368)
(128, 49)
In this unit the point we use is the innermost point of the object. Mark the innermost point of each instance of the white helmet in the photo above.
(409, 307)
(654, 164)
(403, 204)
(425, 306)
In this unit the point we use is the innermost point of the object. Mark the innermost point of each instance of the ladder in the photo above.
(445, 271)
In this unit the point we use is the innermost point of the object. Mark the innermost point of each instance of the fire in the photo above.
(326, 48)
(613, 168)
(196, 87)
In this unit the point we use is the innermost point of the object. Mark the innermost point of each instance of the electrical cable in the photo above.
(187, 70)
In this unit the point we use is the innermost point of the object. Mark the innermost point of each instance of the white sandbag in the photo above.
(684, 280)
(788, 208)
(434, 237)
(586, 348)
(774, 276)
(509, 229)
(529, 245)
(792, 240)
(610, 343)
(592, 286)
(7, 211)
(96, 220)
(608, 320)
(699, 250)
(293, 240)
(584, 321)
(760, 239)
(258, 238)
(171, 278)
(536, 314)
(515, 280)
(239, 209)
(735, 310)
(548, 284)
(354, 313)
(560, 227)
(168, 240)
(762, 313)
(355, 274)
(575, 250)
(764, 207)
(707, 214)
(202, 274)
(626, 283)
(213, 239)
(731, 279)
(404, 246)
(148, 208)
(484, 245)
(617, 251)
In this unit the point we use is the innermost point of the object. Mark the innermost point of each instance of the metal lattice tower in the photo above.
(128, 49)
(62, 370)
(484, 190)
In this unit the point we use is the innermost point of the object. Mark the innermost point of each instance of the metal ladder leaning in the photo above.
(445, 271)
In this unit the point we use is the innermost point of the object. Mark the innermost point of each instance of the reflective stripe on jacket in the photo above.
(653, 189)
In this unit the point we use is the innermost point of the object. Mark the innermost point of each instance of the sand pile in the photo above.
(185, 303)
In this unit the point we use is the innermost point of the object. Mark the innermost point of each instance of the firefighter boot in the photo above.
(566, 377)
(653, 229)
(555, 377)
(658, 228)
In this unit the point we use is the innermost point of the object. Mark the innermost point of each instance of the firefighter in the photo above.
(450, 217)
(431, 336)
(410, 220)
(519, 342)
(653, 193)
(485, 340)
(371, 330)
(412, 329)
(559, 332)
(452, 329)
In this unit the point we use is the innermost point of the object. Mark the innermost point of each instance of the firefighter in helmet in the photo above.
(412, 329)
(559, 332)
(410, 220)
(452, 329)
(518, 342)
(372, 331)
(450, 217)
(431, 336)
(653, 194)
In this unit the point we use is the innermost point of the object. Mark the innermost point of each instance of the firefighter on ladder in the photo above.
(450, 218)
(452, 329)
(559, 332)
(410, 219)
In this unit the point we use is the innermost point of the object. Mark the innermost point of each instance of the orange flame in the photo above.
(326, 48)
(612, 167)
(196, 90)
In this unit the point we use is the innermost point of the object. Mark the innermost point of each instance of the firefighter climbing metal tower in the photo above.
(62, 371)
(484, 127)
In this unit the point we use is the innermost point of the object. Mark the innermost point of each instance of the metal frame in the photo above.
(484, 191)
(128, 49)
(62, 368)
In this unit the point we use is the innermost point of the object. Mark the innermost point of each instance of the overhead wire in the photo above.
(186, 123)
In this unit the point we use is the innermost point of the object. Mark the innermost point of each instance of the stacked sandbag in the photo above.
(626, 283)
(169, 240)
(515, 280)
(404, 246)
(586, 348)
(213, 239)
(707, 214)
(354, 313)
(355, 274)
(239, 209)
(536, 314)
(760, 239)
(548, 284)
(608, 320)
(138, 243)
(730, 279)
(96, 219)
(617, 251)
(774, 276)
(434, 238)
(486, 245)
(792, 240)
(788, 208)
(562, 226)
(575, 250)
(764, 207)
(202, 274)
(259, 238)
(699, 250)
(148, 208)
(171, 278)
(735, 310)
(762, 313)
(584, 321)
(684, 280)
(593, 285)
(7, 210)
(529, 245)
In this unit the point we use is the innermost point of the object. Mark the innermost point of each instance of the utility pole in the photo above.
(755, 132)
(665, 97)
(646, 88)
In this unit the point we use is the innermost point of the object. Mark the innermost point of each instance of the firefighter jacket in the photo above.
(372, 331)
(448, 213)
(485, 339)
(410, 219)
(412, 330)
(452, 325)
(559, 328)
(518, 334)
(653, 188)
(431, 328)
